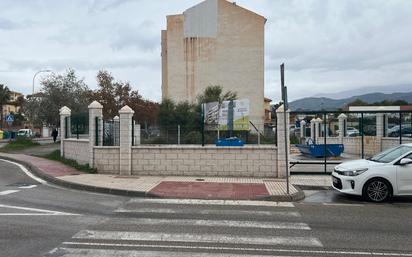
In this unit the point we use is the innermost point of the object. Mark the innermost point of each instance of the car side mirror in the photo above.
(405, 161)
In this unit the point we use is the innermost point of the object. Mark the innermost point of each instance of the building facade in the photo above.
(215, 43)
(12, 106)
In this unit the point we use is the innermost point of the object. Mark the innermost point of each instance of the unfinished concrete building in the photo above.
(215, 43)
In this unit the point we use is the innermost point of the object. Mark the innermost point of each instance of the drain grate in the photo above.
(200, 179)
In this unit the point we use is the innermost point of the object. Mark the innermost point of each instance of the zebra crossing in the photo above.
(159, 227)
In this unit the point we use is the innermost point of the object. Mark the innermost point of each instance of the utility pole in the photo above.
(285, 106)
(34, 77)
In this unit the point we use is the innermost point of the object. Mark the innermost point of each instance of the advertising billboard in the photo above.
(230, 115)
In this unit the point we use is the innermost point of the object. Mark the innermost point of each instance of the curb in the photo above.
(300, 195)
(309, 187)
(36, 171)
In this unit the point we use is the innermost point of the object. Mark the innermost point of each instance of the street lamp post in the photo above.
(34, 77)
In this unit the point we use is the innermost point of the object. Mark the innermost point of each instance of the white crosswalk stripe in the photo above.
(222, 223)
(72, 252)
(195, 238)
(159, 227)
(210, 212)
(214, 202)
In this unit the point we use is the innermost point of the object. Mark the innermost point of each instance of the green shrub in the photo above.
(20, 143)
(55, 156)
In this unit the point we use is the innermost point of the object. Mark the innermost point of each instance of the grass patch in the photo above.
(55, 156)
(20, 143)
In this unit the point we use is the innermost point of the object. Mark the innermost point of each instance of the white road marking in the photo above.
(221, 223)
(28, 187)
(74, 252)
(41, 181)
(214, 202)
(7, 192)
(34, 211)
(291, 250)
(210, 212)
(196, 238)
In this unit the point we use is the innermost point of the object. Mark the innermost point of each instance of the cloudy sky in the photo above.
(328, 46)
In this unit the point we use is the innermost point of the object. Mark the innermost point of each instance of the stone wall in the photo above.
(77, 150)
(372, 145)
(107, 159)
(248, 161)
(388, 142)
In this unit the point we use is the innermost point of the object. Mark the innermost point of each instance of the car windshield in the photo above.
(391, 154)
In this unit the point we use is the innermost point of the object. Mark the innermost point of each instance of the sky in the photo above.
(328, 46)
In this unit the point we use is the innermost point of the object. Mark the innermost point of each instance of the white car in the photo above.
(377, 179)
(349, 131)
(25, 133)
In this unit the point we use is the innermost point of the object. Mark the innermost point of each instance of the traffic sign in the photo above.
(9, 119)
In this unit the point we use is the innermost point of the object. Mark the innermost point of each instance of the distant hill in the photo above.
(387, 89)
(319, 103)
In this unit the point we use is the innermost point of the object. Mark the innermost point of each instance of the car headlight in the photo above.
(353, 173)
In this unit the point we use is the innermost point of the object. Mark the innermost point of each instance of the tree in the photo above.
(57, 90)
(166, 115)
(113, 95)
(4, 99)
(357, 102)
(214, 93)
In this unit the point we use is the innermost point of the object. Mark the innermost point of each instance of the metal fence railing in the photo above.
(365, 133)
(257, 134)
(111, 133)
(77, 125)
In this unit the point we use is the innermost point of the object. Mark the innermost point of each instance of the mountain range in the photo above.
(319, 103)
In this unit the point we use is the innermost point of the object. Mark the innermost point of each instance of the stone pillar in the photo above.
(302, 129)
(64, 112)
(283, 169)
(45, 131)
(342, 128)
(116, 130)
(380, 129)
(318, 123)
(95, 110)
(126, 115)
(379, 124)
(312, 129)
(136, 134)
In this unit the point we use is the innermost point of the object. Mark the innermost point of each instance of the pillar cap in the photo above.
(318, 120)
(313, 120)
(116, 117)
(126, 109)
(342, 116)
(65, 111)
(95, 105)
(281, 109)
(303, 122)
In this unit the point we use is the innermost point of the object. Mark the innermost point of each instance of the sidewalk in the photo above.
(169, 187)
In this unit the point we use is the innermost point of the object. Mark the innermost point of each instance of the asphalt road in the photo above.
(42, 220)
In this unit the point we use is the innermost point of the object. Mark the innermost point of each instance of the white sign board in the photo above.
(227, 114)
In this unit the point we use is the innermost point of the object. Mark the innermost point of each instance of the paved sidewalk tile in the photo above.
(175, 187)
(311, 180)
(130, 183)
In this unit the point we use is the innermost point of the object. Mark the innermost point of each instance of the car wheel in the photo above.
(377, 190)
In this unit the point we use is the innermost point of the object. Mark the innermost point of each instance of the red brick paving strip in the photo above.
(210, 190)
(51, 168)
